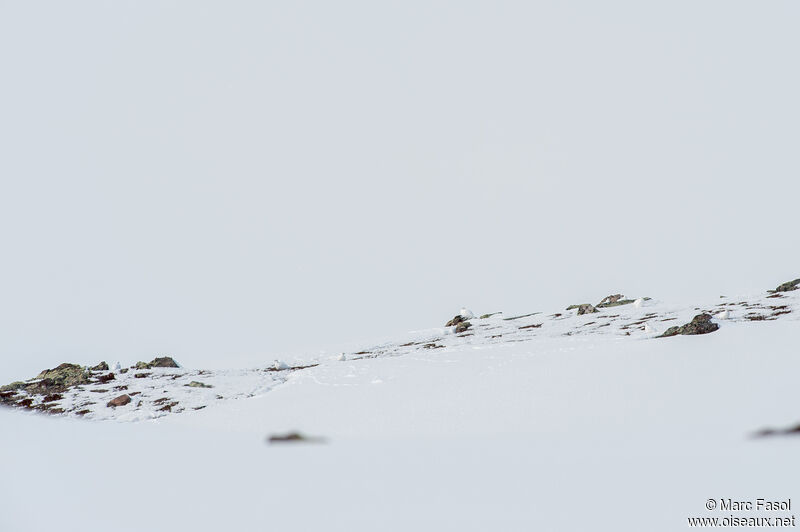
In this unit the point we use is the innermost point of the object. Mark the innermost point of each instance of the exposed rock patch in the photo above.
(462, 327)
(455, 321)
(122, 400)
(787, 286)
(700, 324)
(102, 366)
(197, 384)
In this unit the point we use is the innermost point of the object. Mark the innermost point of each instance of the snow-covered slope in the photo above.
(550, 421)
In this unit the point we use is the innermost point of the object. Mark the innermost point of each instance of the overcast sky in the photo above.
(231, 182)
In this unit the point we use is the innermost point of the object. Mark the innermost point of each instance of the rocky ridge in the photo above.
(148, 390)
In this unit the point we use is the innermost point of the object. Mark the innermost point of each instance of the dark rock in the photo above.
(586, 308)
(463, 326)
(52, 397)
(141, 365)
(700, 324)
(455, 321)
(293, 437)
(788, 286)
(119, 401)
(102, 366)
(163, 362)
(521, 316)
(140, 375)
(123, 370)
(105, 378)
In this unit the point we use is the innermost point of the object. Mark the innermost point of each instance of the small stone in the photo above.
(119, 401)
(196, 384)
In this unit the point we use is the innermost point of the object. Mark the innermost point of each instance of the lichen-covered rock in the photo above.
(463, 326)
(59, 379)
(700, 324)
(455, 321)
(610, 299)
(788, 286)
(586, 308)
(122, 400)
(102, 366)
(158, 362)
(12, 387)
(163, 362)
(196, 384)
(614, 301)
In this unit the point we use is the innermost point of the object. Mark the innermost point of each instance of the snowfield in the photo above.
(550, 421)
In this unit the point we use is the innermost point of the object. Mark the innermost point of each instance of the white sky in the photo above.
(231, 181)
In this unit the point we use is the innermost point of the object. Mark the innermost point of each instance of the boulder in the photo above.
(462, 326)
(119, 401)
(102, 366)
(59, 379)
(164, 362)
(586, 308)
(159, 362)
(455, 321)
(788, 286)
(700, 324)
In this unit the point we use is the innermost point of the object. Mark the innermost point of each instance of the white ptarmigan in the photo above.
(724, 315)
(649, 329)
(639, 302)
(280, 365)
(466, 313)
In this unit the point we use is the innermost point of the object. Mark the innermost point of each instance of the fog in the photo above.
(228, 182)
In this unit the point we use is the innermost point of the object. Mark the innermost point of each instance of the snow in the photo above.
(466, 313)
(535, 430)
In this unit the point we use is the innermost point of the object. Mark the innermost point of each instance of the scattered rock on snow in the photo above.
(105, 378)
(122, 400)
(462, 326)
(102, 366)
(700, 324)
(586, 308)
(455, 321)
(196, 384)
(293, 437)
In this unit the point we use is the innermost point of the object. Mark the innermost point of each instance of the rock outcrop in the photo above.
(788, 286)
(700, 324)
(462, 327)
(159, 362)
